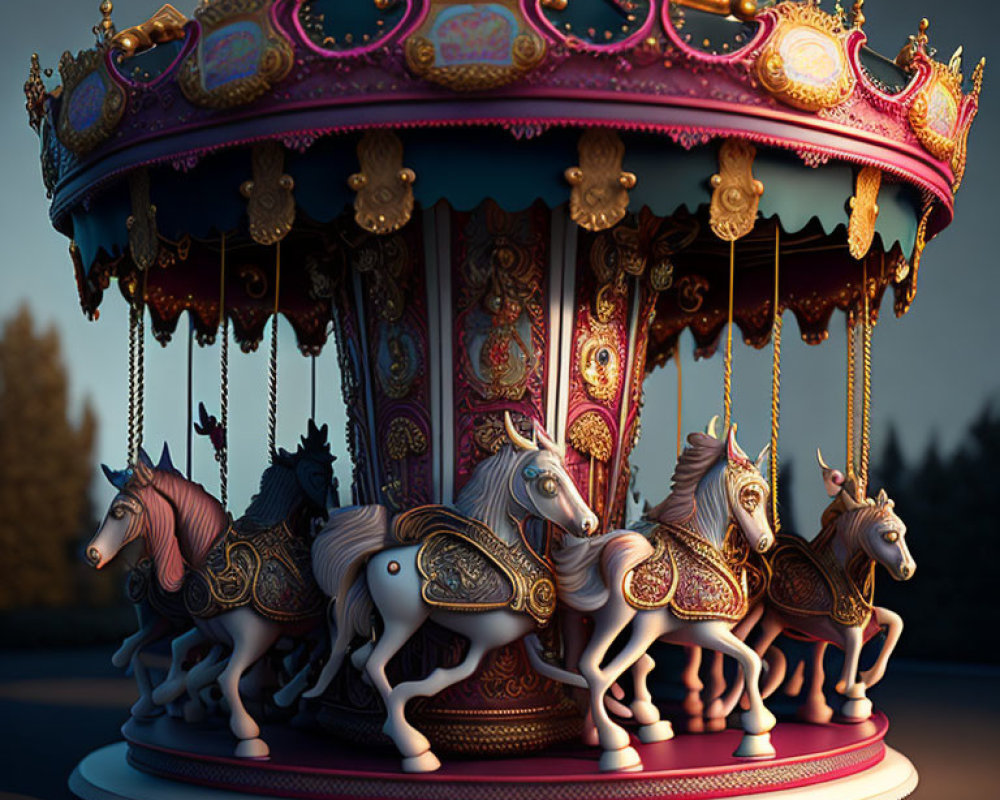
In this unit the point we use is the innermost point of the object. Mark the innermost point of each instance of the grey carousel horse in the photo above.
(356, 562)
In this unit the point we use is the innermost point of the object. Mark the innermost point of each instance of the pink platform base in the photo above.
(812, 760)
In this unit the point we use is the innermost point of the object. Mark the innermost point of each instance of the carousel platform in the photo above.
(167, 759)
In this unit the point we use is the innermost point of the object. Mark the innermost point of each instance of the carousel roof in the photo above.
(487, 100)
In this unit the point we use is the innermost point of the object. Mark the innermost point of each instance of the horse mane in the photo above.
(278, 496)
(702, 453)
(161, 540)
(485, 497)
(200, 517)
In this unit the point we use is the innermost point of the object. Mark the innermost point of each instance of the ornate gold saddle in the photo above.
(690, 576)
(807, 580)
(267, 568)
(465, 567)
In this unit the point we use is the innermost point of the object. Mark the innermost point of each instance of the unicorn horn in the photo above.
(515, 436)
(711, 430)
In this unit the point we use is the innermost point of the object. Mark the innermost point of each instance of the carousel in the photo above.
(502, 214)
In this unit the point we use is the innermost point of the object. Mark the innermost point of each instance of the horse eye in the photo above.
(891, 536)
(118, 512)
(549, 486)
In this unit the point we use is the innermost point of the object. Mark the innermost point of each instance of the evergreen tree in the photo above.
(45, 469)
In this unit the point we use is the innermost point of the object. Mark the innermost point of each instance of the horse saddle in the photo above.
(267, 568)
(688, 575)
(466, 567)
(808, 581)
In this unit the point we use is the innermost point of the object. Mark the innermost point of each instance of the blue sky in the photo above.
(933, 370)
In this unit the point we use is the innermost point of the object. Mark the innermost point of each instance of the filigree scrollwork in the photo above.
(864, 212)
(600, 362)
(691, 293)
(474, 46)
(970, 108)
(908, 288)
(613, 257)
(398, 360)
(736, 195)
(240, 55)
(805, 62)
(490, 434)
(166, 25)
(143, 239)
(599, 198)
(589, 434)
(405, 439)
(934, 115)
(385, 261)
(384, 187)
(272, 205)
(92, 103)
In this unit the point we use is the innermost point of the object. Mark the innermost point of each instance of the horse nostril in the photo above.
(764, 544)
(905, 572)
(93, 556)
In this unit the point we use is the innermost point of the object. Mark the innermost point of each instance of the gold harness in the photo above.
(465, 567)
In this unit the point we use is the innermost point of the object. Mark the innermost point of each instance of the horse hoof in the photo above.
(755, 745)
(252, 748)
(425, 762)
(590, 736)
(856, 709)
(757, 723)
(194, 712)
(645, 713)
(624, 760)
(145, 709)
(660, 731)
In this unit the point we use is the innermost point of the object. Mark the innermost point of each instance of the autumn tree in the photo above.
(45, 469)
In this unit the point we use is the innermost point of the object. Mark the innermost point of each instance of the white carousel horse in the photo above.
(181, 524)
(857, 534)
(714, 484)
(355, 562)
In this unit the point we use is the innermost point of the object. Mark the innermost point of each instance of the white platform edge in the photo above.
(106, 775)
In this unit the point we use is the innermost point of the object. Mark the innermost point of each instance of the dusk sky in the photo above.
(933, 370)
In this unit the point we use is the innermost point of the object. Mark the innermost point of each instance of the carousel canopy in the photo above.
(163, 137)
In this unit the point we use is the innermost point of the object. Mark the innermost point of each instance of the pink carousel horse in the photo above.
(243, 584)
(673, 582)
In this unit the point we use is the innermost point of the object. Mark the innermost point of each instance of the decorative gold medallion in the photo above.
(474, 46)
(934, 114)
(599, 198)
(589, 434)
(272, 205)
(736, 195)
(600, 362)
(166, 25)
(240, 54)
(143, 239)
(384, 187)
(805, 61)
(864, 212)
(92, 103)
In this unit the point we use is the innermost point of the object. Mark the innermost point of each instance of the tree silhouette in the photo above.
(45, 469)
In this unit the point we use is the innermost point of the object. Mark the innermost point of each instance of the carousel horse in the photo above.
(244, 584)
(469, 569)
(674, 583)
(822, 591)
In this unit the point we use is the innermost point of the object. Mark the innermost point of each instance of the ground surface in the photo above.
(56, 706)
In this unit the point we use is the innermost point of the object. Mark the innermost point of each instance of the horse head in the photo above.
(131, 516)
(748, 492)
(541, 485)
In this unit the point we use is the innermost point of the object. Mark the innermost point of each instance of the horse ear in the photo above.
(543, 438)
(883, 499)
(833, 479)
(117, 478)
(733, 451)
(711, 429)
(166, 463)
(515, 436)
(144, 457)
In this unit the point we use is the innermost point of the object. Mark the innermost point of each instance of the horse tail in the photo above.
(579, 578)
(339, 555)
(622, 554)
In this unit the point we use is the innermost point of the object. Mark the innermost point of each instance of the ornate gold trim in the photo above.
(471, 71)
(274, 63)
(910, 292)
(600, 362)
(404, 439)
(74, 72)
(782, 67)
(736, 193)
(143, 238)
(272, 205)
(970, 111)
(166, 25)
(599, 198)
(864, 212)
(589, 434)
(940, 145)
(383, 188)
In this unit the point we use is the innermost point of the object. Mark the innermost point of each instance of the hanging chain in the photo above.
(223, 383)
(680, 397)
(133, 326)
(866, 397)
(140, 370)
(851, 373)
(775, 382)
(272, 386)
(728, 368)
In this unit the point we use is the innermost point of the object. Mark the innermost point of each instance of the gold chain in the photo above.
(680, 396)
(866, 398)
(775, 381)
(223, 382)
(728, 368)
(851, 372)
(133, 327)
(272, 393)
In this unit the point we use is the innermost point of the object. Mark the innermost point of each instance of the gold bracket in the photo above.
(736, 193)
(143, 239)
(599, 198)
(864, 212)
(272, 205)
(166, 25)
(383, 187)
